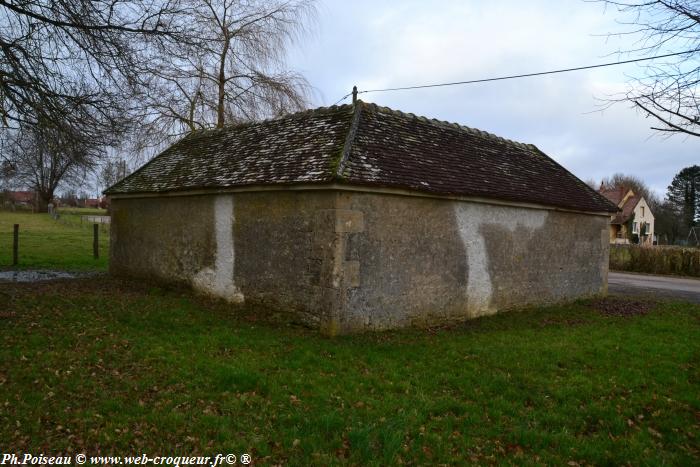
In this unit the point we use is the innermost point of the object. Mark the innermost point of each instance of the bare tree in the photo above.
(133, 73)
(73, 61)
(232, 70)
(6, 174)
(110, 172)
(591, 183)
(68, 72)
(631, 182)
(44, 156)
(666, 91)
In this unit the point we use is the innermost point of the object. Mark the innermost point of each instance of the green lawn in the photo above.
(52, 244)
(83, 211)
(121, 368)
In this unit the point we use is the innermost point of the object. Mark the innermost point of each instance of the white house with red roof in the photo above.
(635, 216)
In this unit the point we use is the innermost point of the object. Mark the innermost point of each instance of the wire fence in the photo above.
(38, 241)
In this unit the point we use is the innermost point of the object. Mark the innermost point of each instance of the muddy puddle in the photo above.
(39, 275)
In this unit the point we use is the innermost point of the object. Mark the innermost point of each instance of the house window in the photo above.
(634, 227)
(642, 211)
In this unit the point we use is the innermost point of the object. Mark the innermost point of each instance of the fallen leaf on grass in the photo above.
(613, 306)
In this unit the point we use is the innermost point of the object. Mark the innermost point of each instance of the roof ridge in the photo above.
(446, 124)
(370, 105)
(350, 138)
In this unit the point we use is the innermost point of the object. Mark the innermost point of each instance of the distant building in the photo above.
(634, 219)
(20, 198)
(24, 198)
(96, 203)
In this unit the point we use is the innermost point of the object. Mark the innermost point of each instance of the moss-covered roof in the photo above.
(364, 145)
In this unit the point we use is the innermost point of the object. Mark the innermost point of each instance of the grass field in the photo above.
(52, 244)
(82, 211)
(122, 368)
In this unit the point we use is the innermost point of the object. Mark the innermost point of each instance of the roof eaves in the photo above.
(114, 189)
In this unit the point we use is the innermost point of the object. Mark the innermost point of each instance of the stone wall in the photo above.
(348, 261)
(273, 249)
(424, 261)
(166, 239)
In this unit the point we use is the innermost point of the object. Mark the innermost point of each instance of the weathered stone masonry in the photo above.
(346, 261)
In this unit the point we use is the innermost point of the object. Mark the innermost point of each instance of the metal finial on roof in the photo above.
(354, 95)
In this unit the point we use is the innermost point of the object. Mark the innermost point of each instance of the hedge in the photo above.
(655, 260)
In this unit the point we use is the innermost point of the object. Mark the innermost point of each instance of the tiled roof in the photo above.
(627, 210)
(300, 148)
(615, 195)
(364, 145)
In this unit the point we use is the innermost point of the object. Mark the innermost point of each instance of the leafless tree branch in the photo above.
(666, 91)
(234, 69)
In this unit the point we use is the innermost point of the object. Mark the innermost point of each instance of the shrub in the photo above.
(655, 260)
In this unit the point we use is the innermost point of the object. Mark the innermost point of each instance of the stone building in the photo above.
(360, 217)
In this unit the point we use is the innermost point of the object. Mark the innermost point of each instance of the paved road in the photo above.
(657, 286)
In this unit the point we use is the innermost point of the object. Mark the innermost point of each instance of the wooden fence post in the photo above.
(15, 245)
(95, 241)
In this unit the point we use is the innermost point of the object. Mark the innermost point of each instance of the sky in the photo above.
(381, 43)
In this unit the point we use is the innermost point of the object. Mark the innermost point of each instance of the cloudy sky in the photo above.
(381, 43)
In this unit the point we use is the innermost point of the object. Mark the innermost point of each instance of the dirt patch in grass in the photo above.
(614, 306)
(99, 286)
(112, 291)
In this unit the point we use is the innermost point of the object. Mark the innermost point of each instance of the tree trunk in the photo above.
(222, 84)
(43, 200)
